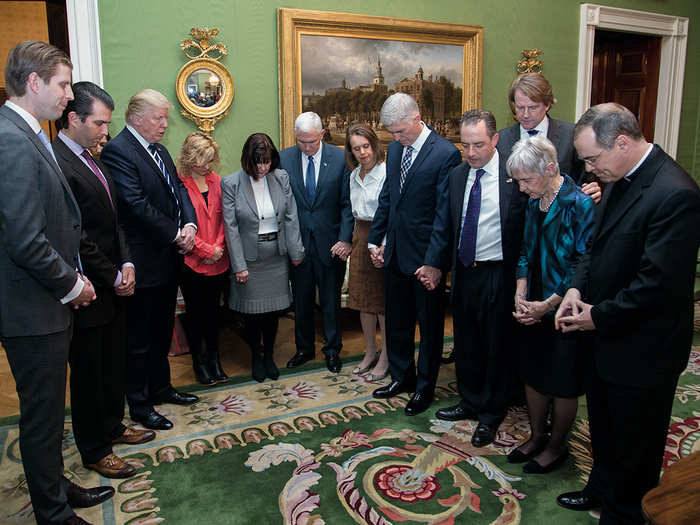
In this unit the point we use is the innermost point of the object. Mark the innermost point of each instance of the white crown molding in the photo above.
(673, 31)
(84, 40)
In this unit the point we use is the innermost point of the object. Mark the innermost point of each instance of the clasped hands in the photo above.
(573, 314)
(185, 240)
(529, 312)
(341, 249)
(87, 294)
(128, 284)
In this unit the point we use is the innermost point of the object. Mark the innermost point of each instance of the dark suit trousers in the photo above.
(628, 436)
(38, 364)
(406, 300)
(481, 311)
(150, 318)
(329, 279)
(97, 380)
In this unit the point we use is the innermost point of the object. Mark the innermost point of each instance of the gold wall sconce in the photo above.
(530, 63)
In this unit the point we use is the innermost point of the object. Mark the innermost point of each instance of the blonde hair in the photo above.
(145, 100)
(198, 149)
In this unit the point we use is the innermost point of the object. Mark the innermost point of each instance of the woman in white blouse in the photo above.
(262, 234)
(364, 156)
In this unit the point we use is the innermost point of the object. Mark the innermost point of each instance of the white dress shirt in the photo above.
(364, 194)
(267, 220)
(33, 123)
(542, 127)
(418, 143)
(488, 233)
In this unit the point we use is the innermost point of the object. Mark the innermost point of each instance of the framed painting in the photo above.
(343, 66)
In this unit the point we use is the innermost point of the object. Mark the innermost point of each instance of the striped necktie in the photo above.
(405, 165)
(154, 152)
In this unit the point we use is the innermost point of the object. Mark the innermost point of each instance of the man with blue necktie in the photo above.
(321, 186)
(405, 240)
(487, 215)
(160, 225)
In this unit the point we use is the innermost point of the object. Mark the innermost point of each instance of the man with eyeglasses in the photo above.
(632, 299)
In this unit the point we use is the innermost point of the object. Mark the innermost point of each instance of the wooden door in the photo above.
(626, 71)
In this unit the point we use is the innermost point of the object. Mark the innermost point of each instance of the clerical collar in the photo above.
(628, 176)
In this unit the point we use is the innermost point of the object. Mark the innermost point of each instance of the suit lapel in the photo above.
(460, 184)
(422, 155)
(248, 194)
(506, 186)
(63, 152)
(148, 159)
(553, 133)
(296, 177)
(275, 193)
(322, 172)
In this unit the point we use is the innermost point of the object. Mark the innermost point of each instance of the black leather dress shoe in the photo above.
(299, 359)
(153, 420)
(394, 388)
(176, 398)
(577, 500)
(455, 413)
(418, 403)
(334, 363)
(79, 498)
(535, 468)
(484, 435)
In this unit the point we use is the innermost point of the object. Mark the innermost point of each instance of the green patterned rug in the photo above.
(315, 448)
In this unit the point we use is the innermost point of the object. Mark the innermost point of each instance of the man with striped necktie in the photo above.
(160, 225)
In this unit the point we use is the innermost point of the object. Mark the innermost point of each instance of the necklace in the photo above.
(545, 207)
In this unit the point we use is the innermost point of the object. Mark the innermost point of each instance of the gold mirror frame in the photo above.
(205, 117)
(293, 23)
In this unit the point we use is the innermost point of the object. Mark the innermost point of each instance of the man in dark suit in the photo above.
(39, 281)
(487, 215)
(413, 209)
(320, 183)
(160, 226)
(633, 294)
(98, 347)
(530, 98)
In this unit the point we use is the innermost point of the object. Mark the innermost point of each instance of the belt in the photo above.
(263, 237)
(476, 264)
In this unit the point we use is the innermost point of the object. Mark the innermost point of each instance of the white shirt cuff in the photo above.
(75, 291)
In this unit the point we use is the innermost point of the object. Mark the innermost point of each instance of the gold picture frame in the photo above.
(292, 24)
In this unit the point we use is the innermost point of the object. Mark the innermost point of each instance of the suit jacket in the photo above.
(512, 214)
(328, 219)
(561, 239)
(103, 247)
(562, 136)
(39, 234)
(147, 209)
(415, 219)
(639, 272)
(242, 220)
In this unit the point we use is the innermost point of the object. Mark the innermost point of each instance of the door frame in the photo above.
(84, 40)
(673, 31)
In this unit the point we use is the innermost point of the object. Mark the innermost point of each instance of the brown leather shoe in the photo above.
(112, 466)
(133, 436)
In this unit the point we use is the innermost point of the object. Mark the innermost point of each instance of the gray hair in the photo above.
(531, 155)
(146, 100)
(308, 121)
(474, 116)
(398, 107)
(609, 121)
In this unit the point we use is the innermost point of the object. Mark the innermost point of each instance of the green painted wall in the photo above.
(141, 48)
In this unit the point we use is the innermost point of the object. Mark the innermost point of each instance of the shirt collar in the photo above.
(418, 143)
(72, 145)
(30, 119)
(491, 166)
(542, 127)
(138, 136)
(628, 175)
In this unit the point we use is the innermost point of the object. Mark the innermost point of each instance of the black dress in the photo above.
(549, 360)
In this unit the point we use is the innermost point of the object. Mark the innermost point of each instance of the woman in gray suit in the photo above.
(262, 234)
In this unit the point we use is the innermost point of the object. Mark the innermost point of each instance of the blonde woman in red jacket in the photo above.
(206, 267)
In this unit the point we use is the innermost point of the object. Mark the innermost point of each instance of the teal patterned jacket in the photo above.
(565, 232)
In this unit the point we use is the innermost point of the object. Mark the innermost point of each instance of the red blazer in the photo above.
(210, 227)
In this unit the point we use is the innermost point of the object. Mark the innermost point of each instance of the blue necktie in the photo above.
(154, 151)
(311, 180)
(533, 132)
(405, 165)
(467, 246)
(44, 138)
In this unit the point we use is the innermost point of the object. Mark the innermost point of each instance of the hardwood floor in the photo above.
(235, 355)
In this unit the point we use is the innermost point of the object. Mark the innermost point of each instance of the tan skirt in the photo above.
(366, 292)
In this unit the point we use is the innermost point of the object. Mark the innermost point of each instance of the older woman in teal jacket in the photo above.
(558, 222)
